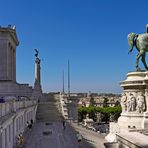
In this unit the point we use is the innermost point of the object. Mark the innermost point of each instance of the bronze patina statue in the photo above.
(36, 52)
(140, 41)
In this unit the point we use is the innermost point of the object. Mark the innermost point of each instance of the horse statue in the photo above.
(140, 41)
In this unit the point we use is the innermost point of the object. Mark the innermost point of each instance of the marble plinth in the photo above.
(9, 88)
(37, 91)
(134, 103)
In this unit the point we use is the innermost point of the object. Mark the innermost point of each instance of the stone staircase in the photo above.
(48, 108)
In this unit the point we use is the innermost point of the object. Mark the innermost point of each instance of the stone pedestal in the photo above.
(9, 88)
(134, 101)
(37, 91)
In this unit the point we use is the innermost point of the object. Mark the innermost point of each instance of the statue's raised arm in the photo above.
(140, 41)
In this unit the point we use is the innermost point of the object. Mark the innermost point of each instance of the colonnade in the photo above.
(13, 118)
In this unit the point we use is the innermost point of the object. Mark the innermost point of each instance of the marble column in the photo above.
(37, 69)
(14, 130)
(12, 63)
(1, 140)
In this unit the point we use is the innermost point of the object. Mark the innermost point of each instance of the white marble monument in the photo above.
(134, 101)
(8, 85)
(131, 130)
(133, 121)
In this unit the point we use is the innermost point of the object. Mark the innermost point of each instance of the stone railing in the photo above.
(132, 140)
(13, 105)
(63, 103)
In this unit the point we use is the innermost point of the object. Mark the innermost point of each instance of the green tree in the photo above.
(92, 102)
(107, 113)
(105, 102)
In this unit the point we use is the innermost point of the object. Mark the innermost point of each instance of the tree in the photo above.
(82, 111)
(92, 102)
(107, 113)
(105, 102)
(112, 113)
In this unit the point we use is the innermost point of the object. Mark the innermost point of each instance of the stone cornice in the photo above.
(12, 34)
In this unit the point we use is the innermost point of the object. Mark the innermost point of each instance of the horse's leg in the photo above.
(130, 50)
(144, 62)
(137, 61)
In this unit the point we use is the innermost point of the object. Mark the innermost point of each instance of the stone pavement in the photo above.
(57, 138)
(97, 140)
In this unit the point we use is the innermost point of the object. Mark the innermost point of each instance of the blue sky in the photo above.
(91, 33)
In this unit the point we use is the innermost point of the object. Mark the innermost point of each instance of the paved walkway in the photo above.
(97, 140)
(59, 138)
(56, 137)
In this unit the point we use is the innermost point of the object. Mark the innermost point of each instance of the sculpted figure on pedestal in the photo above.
(141, 103)
(124, 102)
(140, 41)
(131, 103)
(128, 103)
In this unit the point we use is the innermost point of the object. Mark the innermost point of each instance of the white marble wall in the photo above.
(13, 118)
(8, 43)
(63, 101)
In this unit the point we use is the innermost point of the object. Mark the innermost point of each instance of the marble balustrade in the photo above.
(14, 115)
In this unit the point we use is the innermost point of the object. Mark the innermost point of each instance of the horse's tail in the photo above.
(131, 40)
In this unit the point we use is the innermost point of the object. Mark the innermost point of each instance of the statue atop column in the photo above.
(37, 67)
(37, 92)
(36, 53)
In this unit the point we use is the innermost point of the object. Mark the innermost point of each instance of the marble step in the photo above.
(48, 110)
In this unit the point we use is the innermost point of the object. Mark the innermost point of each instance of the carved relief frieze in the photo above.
(133, 102)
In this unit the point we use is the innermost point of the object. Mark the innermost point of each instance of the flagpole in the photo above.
(63, 83)
(68, 79)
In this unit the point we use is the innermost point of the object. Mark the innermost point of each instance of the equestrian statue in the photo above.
(140, 41)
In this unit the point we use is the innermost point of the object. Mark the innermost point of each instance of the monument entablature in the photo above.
(9, 32)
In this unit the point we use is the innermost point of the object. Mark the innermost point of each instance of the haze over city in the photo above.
(91, 34)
